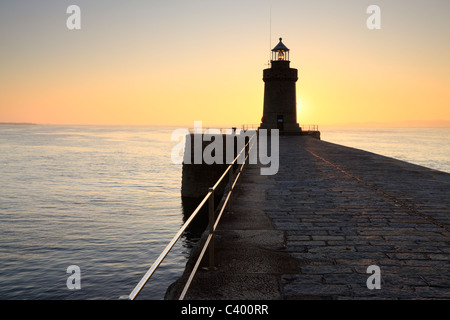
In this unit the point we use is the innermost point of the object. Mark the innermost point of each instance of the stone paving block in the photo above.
(297, 237)
(299, 290)
(349, 279)
(433, 292)
(325, 269)
(308, 243)
(308, 257)
(407, 256)
(375, 248)
(331, 249)
(326, 238)
(437, 280)
(442, 257)
(301, 278)
(422, 263)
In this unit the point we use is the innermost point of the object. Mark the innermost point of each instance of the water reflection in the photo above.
(195, 229)
(199, 224)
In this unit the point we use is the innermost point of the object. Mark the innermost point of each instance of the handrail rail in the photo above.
(211, 130)
(305, 127)
(210, 198)
(309, 127)
(251, 126)
(213, 225)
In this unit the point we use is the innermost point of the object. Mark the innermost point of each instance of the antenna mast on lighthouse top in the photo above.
(270, 30)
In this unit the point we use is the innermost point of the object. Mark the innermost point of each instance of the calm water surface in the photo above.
(104, 198)
(428, 147)
(107, 199)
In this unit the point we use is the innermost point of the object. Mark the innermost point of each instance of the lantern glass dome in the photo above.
(280, 52)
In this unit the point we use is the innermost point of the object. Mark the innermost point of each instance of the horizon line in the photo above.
(406, 123)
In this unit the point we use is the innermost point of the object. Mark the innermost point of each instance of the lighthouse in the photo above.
(280, 101)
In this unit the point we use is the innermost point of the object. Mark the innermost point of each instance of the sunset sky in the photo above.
(173, 62)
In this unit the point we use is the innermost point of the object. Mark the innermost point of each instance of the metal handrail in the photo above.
(205, 130)
(210, 198)
(305, 127)
(310, 127)
(212, 228)
(250, 126)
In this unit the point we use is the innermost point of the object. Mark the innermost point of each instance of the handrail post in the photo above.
(247, 150)
(211, 228)
(230, 183)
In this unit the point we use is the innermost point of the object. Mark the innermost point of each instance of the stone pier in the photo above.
(312, 230)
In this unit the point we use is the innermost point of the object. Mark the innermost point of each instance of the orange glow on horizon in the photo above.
(211, 70)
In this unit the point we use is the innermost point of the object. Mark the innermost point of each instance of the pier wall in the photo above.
(199, 176)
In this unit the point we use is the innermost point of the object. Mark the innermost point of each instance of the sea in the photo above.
(107, 199)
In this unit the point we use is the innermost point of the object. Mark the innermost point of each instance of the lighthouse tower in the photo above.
(280, 102)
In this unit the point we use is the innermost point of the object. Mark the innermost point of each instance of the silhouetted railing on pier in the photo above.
(212, 224)
(309, 127)
(305, 127)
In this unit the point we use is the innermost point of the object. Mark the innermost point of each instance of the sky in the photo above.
(174, 62)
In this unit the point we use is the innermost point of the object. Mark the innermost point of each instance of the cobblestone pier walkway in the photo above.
(312, 230)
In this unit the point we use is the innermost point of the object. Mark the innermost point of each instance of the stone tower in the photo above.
(280, 102)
